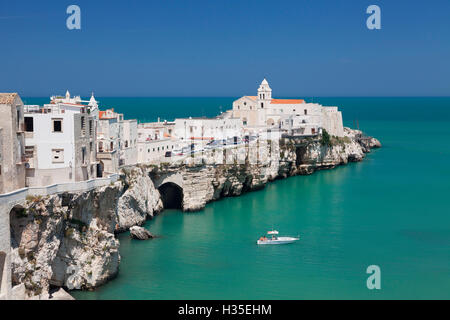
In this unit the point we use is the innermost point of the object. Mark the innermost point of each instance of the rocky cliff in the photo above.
(204, 181)
(69, 239)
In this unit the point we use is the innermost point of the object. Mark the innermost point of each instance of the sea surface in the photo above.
(391, 210)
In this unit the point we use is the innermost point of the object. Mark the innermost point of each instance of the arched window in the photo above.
(262, 105)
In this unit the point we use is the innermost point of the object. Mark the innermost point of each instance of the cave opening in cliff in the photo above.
(171, 195)
(300, 154)
(19, 219)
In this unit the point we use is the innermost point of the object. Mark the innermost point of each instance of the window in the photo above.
(91, 127)
(57, 155)
(29, 124)
(112, 146)
(83, 124)
(57, 125)
(90, 146)
(306, 112)
(126, 143)
(83, 155)
(262, 105)
(18, 118)
(29, 152)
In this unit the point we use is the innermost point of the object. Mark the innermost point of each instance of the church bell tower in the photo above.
(264, 94)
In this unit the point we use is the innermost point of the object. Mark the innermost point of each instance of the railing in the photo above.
(79, 186)
(45, 109)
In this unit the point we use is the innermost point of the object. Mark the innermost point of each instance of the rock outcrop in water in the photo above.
(68, 240)
(140, 233)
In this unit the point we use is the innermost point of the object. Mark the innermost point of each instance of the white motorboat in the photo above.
(275, 239)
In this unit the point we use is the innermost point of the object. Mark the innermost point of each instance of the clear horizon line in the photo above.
(237, 97)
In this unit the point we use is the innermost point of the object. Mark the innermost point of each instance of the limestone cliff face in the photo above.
(69, 239)
(206, 181)
(140, 200)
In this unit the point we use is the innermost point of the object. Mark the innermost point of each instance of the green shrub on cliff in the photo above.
(326, 139)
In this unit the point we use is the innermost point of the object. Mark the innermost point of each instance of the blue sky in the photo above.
(224, 48)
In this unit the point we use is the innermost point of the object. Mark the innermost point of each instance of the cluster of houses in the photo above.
(70, 139)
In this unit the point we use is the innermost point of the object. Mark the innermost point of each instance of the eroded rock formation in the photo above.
(68, 240)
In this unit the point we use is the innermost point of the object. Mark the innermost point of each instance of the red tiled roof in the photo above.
(287, 101)
(102, 114)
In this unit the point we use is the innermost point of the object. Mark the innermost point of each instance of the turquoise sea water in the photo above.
(391, 210)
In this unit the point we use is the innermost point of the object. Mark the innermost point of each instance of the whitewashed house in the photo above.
(116, 141)
(207, 129)
(155, 141)
(128, 143)
(108, 141)
(12, 152)
(60, 141)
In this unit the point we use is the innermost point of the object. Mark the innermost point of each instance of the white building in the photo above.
(155, 140)
(12, 157)
(206, 129)
(116, 141)
(156, 151)
(155, 130)
(108, 141)
(60, 140)
(262, 111)
(128, 145)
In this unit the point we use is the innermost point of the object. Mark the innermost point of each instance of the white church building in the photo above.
(293, 116)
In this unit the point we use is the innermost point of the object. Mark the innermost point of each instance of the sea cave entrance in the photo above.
(171, 195)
